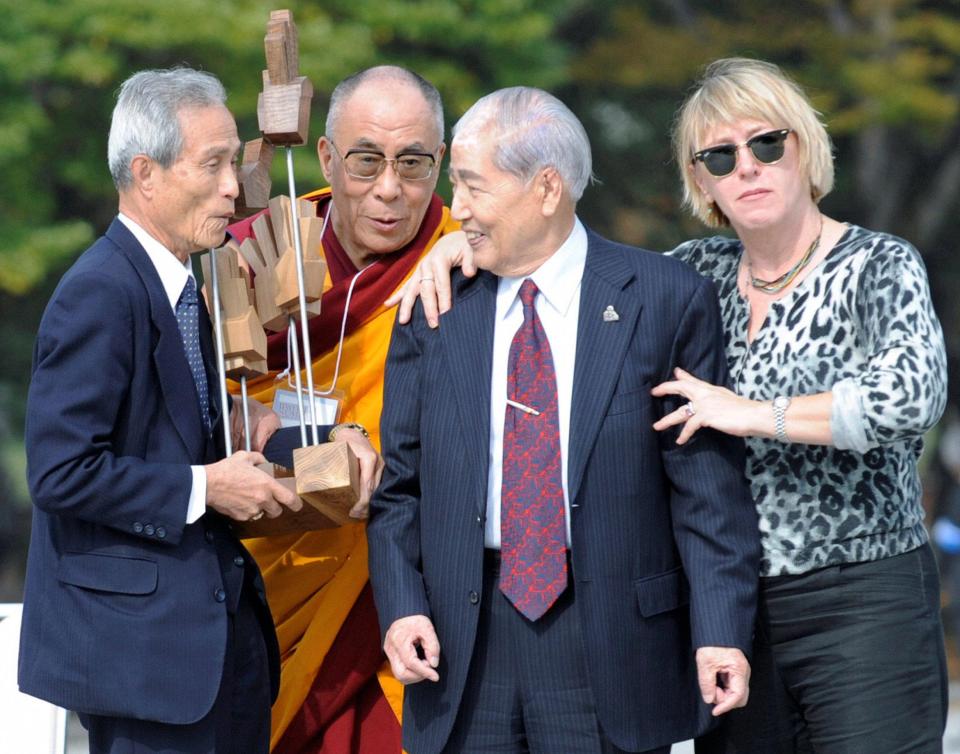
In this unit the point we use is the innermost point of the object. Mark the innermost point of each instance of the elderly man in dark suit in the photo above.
(142, 610)
(551, 573)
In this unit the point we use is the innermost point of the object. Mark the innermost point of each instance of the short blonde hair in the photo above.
(733, 89)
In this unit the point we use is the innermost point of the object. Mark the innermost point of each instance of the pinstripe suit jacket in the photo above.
(664, 547)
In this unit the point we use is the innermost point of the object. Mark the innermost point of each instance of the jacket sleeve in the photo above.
(714, 518)
(393, 531)
(84, 366)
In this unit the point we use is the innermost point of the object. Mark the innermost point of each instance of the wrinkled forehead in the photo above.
(471, 153)
(394, 112)
(209, 128)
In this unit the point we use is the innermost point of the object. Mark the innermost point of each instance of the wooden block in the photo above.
(263, 230)
(207, 278)
(234, 299)
(310, 228)
(275, 47)
(254, 178)
(243, 337)
(280, 221)
(308, 518)
(329, 477)
(282, 14)
(271, 316)
(232, 245)
(306, 208)
(250, 251)
(286, 292)
(281, 23)
(238, 367)
(258, 152)
(248, 284)
(225, 270)
(283, 112)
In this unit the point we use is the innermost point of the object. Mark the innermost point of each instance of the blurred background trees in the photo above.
(885, 74)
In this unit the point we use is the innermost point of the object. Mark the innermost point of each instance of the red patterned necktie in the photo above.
(533, 569)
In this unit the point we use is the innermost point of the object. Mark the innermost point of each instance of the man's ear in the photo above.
(325, 155)
(549, 187)
(144, 172)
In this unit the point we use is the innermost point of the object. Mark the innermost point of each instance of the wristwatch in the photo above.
(780, 405)
(347, 425)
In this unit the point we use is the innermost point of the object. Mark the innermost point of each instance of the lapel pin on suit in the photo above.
(610, 314)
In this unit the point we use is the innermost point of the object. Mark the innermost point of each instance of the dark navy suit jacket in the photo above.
(125, 606)
(665, 546)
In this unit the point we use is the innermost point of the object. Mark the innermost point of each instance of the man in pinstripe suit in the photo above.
(563, 578)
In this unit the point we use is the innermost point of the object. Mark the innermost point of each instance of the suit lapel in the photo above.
(173, 372)
(467, 335)
(601, 346)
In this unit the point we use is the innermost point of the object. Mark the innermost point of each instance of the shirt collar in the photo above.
(173, 273)
(557, 279)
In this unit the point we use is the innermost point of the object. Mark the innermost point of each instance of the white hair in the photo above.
(533, 130)
(146, 117)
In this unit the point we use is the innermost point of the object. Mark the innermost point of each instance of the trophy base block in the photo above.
(328, 476)
(308, 518)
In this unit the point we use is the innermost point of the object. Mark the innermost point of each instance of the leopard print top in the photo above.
(862, 326)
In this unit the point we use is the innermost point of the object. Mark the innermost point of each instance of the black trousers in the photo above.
(847, 660)
(239, 721)
(527, 688)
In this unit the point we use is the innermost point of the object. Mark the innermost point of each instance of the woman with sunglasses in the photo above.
(838, 368)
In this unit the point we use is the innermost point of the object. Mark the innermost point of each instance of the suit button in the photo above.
(149, 530)
(138, 528)
(219, 595)
(208, 535)
(161, 532)
(474, 598)
(238, 561)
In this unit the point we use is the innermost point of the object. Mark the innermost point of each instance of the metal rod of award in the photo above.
(246, 413)
(221, 369)
(297, 384)
(304, 325)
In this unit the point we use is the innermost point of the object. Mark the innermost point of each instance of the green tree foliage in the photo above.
(61, 62)
(884, 73)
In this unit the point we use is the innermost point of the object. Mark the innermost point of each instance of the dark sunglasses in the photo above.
(767, 148)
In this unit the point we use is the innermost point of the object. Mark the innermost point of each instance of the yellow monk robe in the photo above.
(313, 579)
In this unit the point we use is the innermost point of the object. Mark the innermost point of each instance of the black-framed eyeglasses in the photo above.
(767, 148)
(368, 164)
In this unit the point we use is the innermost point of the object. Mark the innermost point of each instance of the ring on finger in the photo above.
(426, 280)
(257, 517)
(689, 409)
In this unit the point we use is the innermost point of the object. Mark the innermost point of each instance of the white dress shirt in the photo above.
(173, 276)
(558, 306)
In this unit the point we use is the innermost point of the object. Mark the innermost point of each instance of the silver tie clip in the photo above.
(525, 409)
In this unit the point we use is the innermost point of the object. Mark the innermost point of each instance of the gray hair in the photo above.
(533, 130)
(146, 121)
(346, 88)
